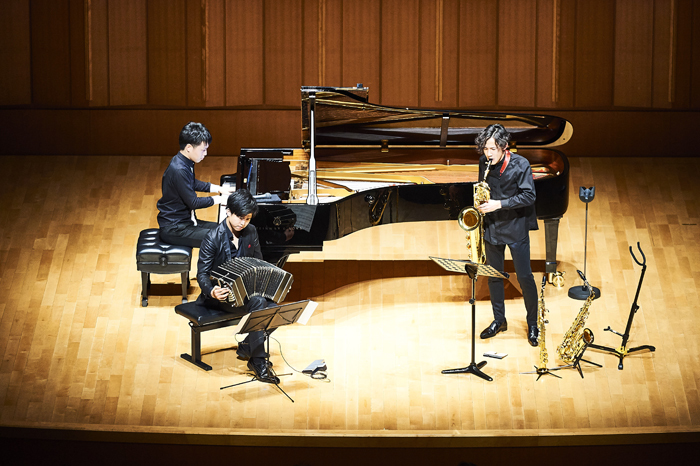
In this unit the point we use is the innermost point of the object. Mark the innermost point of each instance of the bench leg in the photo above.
(185, 278)
(196, 350)
(145, 279)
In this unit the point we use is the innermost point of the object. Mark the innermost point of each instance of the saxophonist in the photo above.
(509, 216)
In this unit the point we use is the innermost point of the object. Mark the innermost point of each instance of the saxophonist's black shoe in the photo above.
(533, 334)
(262, 371)
(493, 329)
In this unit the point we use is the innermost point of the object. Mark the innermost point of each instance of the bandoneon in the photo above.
(248, 277)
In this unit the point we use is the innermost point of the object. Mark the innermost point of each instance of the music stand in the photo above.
(473, 270)
(268, 319)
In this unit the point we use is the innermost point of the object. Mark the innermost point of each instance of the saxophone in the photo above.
(577, 337)
(472, 221)
(541, 321)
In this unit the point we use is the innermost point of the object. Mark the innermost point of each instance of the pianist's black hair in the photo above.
(242, 203)
(497, 132)
(195, 134)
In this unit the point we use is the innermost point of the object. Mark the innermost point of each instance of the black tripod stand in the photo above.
(622, 351)
(588, 342)
(266, 320)
(473, 270)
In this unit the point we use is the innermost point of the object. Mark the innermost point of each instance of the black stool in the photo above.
(155, 256)
(201, 319)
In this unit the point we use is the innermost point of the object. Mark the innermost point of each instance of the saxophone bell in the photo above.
(469, 219)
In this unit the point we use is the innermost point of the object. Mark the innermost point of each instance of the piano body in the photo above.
(363, 165)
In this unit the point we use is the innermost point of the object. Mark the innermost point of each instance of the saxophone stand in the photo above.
(266, 320)
(622, 351)
(588, 341)
(473, 270)
(540, 371)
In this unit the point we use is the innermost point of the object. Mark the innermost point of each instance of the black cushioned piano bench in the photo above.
(155, 256)
(202, 319)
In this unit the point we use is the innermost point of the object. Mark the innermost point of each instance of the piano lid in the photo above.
(345, 119)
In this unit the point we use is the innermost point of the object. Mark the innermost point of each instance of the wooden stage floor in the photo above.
(81, 357)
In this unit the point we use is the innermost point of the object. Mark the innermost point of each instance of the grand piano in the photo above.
(361, 165)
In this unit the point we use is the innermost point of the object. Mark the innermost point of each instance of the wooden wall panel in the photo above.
(80, 16)
(439, 57)
(215, 70)
(634, 33)
(96, 36)
(311, 40)
(595, 53)
(244, 52)
(330, 55)
(16, 87)
(167, 55)
(282, 51)
(361, 55)
(478, 55)
(399, 52)
(695, 47)
(128, 74)
(517, 52)
(195, 50)
(567, 54)
(548, 52)
(683, 61)
(50, 50)
(663, 64)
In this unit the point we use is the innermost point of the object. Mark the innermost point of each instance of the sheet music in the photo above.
(456, 265)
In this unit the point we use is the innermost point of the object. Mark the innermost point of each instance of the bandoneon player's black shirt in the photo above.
(515, 188)
(180, 192)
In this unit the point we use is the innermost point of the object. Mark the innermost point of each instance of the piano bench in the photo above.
(155, 256)
(201, 319)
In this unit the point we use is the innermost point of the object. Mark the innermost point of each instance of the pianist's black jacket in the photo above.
(217, 248)
(179, 192)
(515, 189)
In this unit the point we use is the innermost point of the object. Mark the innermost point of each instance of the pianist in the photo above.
(235, 237)
(509, 217)
(176, 218)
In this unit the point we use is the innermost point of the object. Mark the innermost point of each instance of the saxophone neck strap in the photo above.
(505, 162)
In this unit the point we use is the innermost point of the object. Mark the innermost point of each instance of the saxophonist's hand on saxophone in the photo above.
(489, 206)
(484, 203)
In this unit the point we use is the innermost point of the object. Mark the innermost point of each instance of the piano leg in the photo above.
(551, 233)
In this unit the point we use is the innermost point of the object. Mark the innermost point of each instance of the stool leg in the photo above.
(184, 277)
(144, 288)
(196, 357)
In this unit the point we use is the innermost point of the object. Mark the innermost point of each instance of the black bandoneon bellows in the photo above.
(248, 277)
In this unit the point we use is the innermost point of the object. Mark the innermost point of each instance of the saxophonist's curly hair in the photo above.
(497, 132)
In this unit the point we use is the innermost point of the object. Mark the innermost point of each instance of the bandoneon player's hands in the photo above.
(219, 293)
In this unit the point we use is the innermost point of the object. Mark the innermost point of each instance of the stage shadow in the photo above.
(315, 279)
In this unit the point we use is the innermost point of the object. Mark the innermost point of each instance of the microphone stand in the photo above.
(581, 292)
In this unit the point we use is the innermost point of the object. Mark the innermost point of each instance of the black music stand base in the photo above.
(255, 378)
(472, 368)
